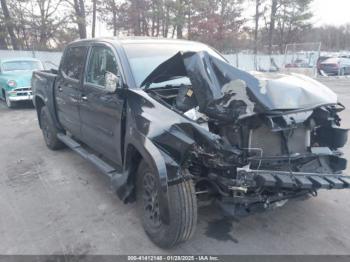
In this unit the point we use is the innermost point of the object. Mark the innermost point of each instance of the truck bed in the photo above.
(43, 83)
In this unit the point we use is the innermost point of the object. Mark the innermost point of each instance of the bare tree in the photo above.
(47, 22)
(293, 18)
(272, 23)
(258, 3)
(116, 14)
(220, 23)
(180, 18)
(3, 36)
(9, 24)
(80, 17)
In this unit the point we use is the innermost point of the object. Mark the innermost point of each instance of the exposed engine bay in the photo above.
(276, 138)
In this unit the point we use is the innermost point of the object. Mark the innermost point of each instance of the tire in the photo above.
(182, 208)
(49, 130)
(342, 72)
(8, 102)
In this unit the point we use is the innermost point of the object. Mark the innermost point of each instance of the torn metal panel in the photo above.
(227, 93)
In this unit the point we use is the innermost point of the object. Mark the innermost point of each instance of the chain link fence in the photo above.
(49, 59)
(301, 58)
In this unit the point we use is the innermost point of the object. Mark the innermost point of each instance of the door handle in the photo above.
(84, 98)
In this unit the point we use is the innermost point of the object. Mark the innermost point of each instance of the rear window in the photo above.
(73, 63)
(21, 65)
(332, 60)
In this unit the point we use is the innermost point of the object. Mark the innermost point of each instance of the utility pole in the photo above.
(93, 29)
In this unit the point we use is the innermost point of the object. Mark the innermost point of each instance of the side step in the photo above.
(104, 167)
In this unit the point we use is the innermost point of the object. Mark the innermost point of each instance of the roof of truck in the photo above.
(134, 40)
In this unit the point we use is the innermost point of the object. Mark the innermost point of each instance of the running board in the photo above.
(105, 168)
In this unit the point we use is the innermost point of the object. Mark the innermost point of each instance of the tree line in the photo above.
(224, 24)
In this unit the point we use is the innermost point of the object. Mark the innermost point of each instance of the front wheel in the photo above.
(182, 208)
(9, 103)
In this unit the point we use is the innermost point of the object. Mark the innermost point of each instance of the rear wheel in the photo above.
(182, 208)
(49, 130)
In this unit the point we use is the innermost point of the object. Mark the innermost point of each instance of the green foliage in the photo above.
(293, 17)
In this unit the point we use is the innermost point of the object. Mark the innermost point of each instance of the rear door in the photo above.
(68, 88)
(100, 111)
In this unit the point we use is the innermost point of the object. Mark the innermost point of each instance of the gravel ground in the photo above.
(57, 203)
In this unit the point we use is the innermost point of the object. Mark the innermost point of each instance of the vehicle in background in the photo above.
(335, 66)
(15, 79)
(319, 61)
(298, 63)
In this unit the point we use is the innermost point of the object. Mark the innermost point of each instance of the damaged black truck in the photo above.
(172, 123)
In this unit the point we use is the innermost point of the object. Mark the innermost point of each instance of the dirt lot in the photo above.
(55, 202)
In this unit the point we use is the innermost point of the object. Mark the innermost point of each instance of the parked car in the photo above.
(172, 123)
(15, 79)
(336, 66)
(319, 61)
(298, 63)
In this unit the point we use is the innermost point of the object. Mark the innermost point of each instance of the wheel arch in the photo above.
(39, 103)
(133, 159)
(125, 184)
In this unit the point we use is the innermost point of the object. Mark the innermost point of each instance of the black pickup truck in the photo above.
(172, 123)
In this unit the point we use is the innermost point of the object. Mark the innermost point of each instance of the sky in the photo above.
(326, 12)
(332, 12)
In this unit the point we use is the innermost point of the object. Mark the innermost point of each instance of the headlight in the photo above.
(11, 83)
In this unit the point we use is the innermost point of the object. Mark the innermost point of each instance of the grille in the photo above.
(23, 89)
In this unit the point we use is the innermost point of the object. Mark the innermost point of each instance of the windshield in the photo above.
(21, 65)
(145, 57)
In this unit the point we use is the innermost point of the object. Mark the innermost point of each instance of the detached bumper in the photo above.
(279, 187)
(295, 180)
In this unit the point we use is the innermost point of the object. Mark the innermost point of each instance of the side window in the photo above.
(74, 58)
(101, 60)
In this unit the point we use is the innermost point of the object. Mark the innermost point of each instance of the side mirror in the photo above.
(111, 82)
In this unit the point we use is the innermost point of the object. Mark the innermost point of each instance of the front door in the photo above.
(101, 111)
(68, 88)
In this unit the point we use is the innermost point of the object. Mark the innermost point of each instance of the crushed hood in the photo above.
(225, 92)
(294, 91)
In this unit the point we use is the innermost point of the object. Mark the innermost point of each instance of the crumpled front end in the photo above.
(252, 142)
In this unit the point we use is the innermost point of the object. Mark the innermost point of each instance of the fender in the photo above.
(147, 150)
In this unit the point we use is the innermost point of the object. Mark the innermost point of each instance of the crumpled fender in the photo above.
(140, 129)
(153, 157)
(164, 139)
